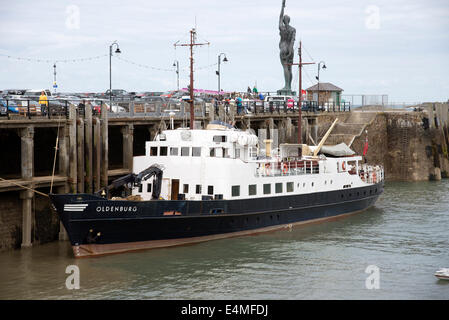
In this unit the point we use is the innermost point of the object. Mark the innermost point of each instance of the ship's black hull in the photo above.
(98, 226)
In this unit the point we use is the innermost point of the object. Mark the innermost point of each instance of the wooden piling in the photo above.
(128, 134)
(88, 149)
(80, 154)
(96, 153)
(72, 149)
(27, 162)
(104, 146)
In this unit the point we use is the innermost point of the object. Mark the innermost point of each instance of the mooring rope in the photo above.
(19, 185)
(56, 151)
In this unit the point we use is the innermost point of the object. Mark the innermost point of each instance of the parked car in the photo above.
(276, 101)
(13, 93)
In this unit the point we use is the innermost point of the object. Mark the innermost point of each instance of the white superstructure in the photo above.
(225, 163)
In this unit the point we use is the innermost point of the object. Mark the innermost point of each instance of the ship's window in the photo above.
(186, 188)
(196, 151)
(198, 189)
(278, 187)
(148, 187)
(331, 181)
(325, 182)
(304, 185)
(210, 190)
(185, 151)
(289, 186)
(173, 151)
(225, 153)
(235, 190)
(219, 138)
(163, 151)
(140, 187)
(212, 152)
(237, 153)
(267, 188)
(313, 184)
(153, 151)
(252, 189)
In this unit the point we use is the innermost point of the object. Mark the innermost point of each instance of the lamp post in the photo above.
(110, 70)
(318, 78)
(218, 72)
(176, 64)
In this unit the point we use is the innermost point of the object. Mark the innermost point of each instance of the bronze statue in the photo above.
(287, 33)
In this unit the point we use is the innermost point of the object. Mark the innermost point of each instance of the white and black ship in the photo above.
(199, 185)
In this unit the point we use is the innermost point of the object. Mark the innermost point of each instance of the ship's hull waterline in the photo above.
(97, 226)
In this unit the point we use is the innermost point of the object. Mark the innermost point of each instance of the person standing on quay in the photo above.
(43, 102)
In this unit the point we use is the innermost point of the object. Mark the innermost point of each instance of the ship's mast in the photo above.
(300, 64)
(192, 98)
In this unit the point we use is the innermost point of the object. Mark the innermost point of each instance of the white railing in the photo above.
(371, 174)
(286, 168)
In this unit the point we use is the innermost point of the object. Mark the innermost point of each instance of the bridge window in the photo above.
(267, 188)
(278, 187)
(235, 191)
(289, 186)
(163, 151)
(219, 138)
(196, 152)
(198, 189)
(252, 189)
(210, 190)
(185, 151)
(153, 151)
(173, 151)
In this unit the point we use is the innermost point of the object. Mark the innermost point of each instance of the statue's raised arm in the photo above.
(281, 17)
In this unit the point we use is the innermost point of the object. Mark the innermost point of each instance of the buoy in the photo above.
(284, 168)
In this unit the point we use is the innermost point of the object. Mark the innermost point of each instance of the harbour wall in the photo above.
(93, 150)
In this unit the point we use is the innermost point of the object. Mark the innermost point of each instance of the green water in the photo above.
(406, 235)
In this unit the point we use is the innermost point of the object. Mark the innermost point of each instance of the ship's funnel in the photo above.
(268, 147)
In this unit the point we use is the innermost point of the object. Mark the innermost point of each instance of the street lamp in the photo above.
(176, 64)
(110, 70)
(318, 78)
(218, 72)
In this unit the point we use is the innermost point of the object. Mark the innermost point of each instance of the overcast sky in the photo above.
(394, 47)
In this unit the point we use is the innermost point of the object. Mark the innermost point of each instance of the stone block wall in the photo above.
(10, 220)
